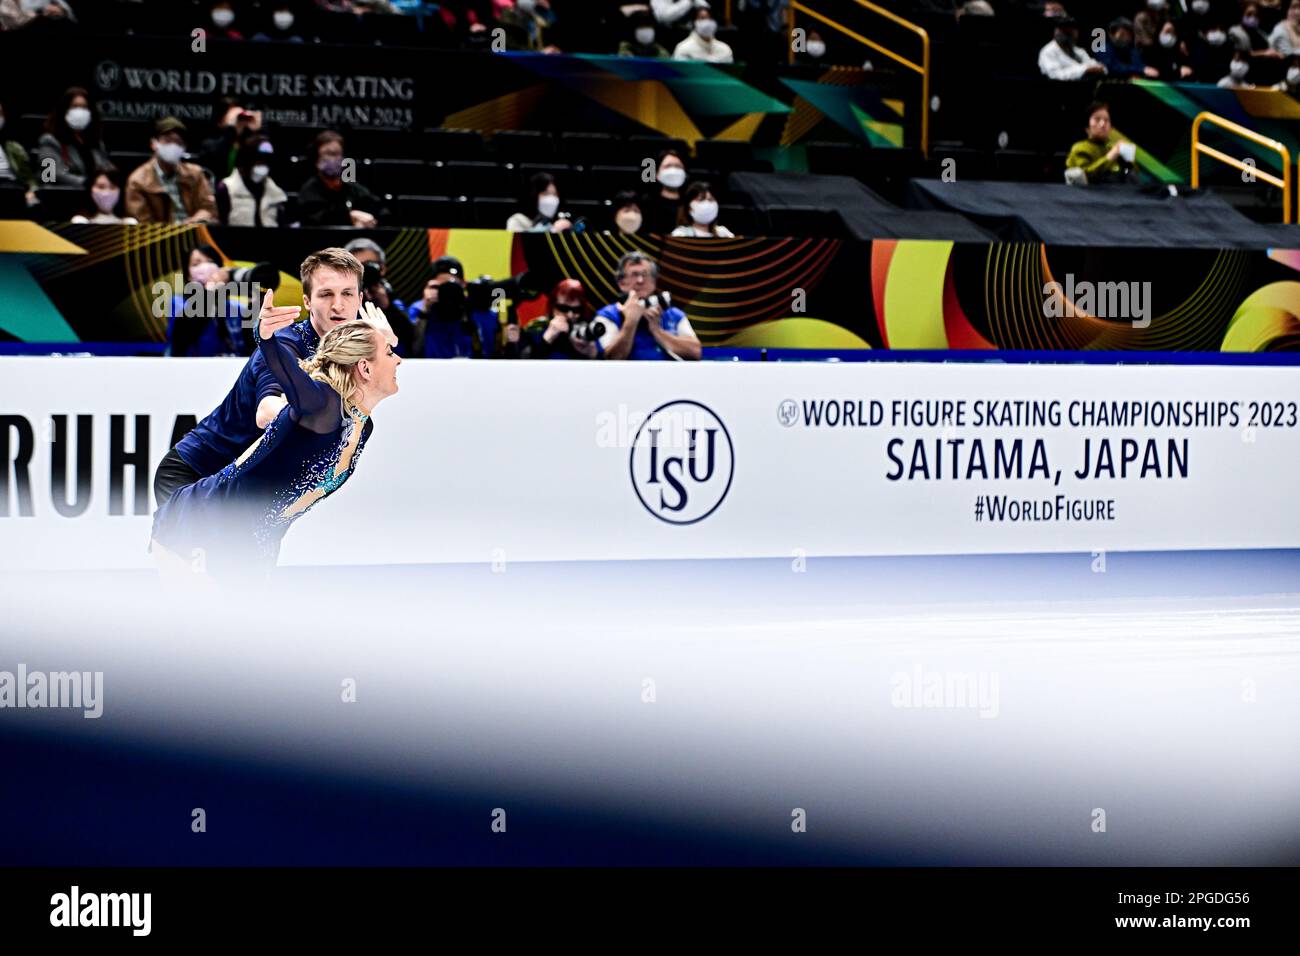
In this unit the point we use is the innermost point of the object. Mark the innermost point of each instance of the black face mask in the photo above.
(1121, 44)
(1065, 38)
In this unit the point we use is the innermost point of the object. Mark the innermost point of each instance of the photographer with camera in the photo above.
(645, 325)
(376, 288)
(567, 331)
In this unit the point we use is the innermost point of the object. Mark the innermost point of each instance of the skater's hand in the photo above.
(371, 314)
(273, 318)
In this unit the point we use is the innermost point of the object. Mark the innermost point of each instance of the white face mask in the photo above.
(105, 199)
(1239, 68)
(704, 211)
(628, 221)
(706, 28)
(260, 173)
(1156, 4)
(77, 118)
(283, 19)
(1167, 40)
(548, 205)
(1293, 75)
(170, 152)
(672, 176)
(816, 49)
(645, 35)
(526, 6)
(1216, 38)
(1201, 6)
(223, 17)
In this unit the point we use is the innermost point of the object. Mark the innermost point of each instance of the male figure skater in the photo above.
(331, 285)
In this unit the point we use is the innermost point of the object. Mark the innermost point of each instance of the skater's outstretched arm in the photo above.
(305, 395)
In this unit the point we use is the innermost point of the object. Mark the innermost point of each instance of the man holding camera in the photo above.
(645, 325)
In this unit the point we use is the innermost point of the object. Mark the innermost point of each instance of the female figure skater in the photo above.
(230, 524)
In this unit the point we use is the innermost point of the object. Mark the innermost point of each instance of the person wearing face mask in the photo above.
(539, 208)
(201, 323)
(698, 216)
(72, 141)
(1211, 51)
(1238, 70)
(701, 45)
(249, 196)
(103, 203)
(15, 165)
(1285, 38)
(1170, 56)
(222, 17)
(524, 22)
(661, 205)
(627, 213)
(165, 188)
(1248, 35)
(280, 25)
(333, 197)
(1062, 58)
(814, 50)
(1120, 57)
(642, 42)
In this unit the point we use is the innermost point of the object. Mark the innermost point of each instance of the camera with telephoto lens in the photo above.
(662, 299)
(371, 277)
(263, 274)
(588, 331)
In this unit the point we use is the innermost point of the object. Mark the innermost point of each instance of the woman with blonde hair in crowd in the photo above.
(230, 524)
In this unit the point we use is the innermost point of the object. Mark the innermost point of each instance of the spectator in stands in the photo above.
(539, 207)
(376, 288)
(15, 166)
(280, 25)
(814, 49)
(1171, 57)
(249, 196)
(674, 12)
(445, 323)
(698, 216)
(103, 204)
(1285, 38)
(165, 188)
(1144, 32)
(1054, 10)
(72, 140)
(701, 44)
(333, 197)
(1062, 59)
(218, 153)
(1238, 71)
(223, 17)
(644, 325)
(1102, 157)
(661, 206)
(1247, 35)
(200, 322)
(627, 212)
(1290, 83)
(642, 42)
(1120, 57)
(524, 21)
(1211, 52)
(22, 13)
(563, 333)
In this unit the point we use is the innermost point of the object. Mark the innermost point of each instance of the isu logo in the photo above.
(682, 462)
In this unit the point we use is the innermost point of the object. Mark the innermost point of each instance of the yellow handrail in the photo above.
(923, 67)
(1249, 134)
